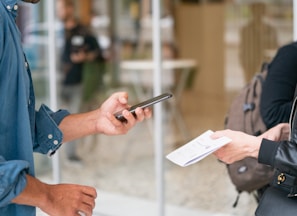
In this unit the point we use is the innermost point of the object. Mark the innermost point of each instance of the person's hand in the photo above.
(277, 133)
(78, 57)
(58, 200)
(31, 1)
(108, 124)
(102, 120)
(69, 199)
(82, 56)
(241, 146)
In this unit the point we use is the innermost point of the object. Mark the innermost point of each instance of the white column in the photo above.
(50, 7)
(294, 20)
(158, 132)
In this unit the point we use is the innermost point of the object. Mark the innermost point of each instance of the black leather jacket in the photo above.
(283, 155)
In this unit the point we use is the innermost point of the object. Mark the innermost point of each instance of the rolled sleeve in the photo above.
(12, 179)
(48, 135)
(59, 116)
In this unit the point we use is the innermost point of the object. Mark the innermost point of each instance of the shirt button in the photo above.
(8, 7)
(50, 136)
(15, 7)
(26, 64)
(56, 142)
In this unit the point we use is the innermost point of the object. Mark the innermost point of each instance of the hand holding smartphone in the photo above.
(143, 105)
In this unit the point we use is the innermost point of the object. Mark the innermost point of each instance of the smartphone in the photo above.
(143, 105)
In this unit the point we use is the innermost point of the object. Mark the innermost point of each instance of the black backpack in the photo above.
(244, 115)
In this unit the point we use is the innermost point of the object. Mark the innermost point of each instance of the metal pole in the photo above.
(52, 77)
(158, 132)
(114, 11)
(294, 20)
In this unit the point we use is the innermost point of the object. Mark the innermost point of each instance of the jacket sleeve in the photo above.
(280, 155)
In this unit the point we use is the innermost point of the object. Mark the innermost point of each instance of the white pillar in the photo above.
(50, 6)
(295, 20)
(158, 132)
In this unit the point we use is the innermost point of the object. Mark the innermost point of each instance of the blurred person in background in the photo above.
(23, 130)
(257, 38)
(81, 65)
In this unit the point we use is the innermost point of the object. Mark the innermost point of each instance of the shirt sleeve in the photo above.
(12, 179)
(48, 137)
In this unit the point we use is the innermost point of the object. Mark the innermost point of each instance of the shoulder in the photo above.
(294, 44)
(284, 64)
(291, 47)
(286, 54)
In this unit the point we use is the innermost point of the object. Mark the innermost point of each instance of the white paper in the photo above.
(197, 149)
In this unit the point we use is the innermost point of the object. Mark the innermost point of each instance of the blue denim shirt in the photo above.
(22, 129)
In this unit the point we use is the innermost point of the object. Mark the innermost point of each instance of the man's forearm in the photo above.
(75, 126)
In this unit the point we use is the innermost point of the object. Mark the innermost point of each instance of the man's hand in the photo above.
(69, 199)
(78, 57)
(31, 1)
(108, 124)
(102, 120)
(58, 200)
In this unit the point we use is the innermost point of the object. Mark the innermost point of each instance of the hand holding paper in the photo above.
(197, 149)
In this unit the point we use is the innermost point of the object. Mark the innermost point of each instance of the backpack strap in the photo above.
(236, 200)
(264, 66)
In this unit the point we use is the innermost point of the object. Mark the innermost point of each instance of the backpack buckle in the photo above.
(248, 107)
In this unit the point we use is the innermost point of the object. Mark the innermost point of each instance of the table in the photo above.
(141, 77)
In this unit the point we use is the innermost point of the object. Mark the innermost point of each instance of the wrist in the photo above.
(254, 148)
(34, 194)
(93, 119)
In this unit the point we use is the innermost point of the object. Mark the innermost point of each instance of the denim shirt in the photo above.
(22, 129)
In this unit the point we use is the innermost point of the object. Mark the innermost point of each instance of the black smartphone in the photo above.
(143, 105)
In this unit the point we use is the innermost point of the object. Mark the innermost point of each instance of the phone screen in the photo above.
(143, 105)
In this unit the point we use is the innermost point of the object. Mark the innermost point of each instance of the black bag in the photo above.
(281, 197)
(276, 202)
(244, 115)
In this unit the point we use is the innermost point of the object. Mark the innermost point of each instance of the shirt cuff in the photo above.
(267, 152)
(48, 135)
(59, 115)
